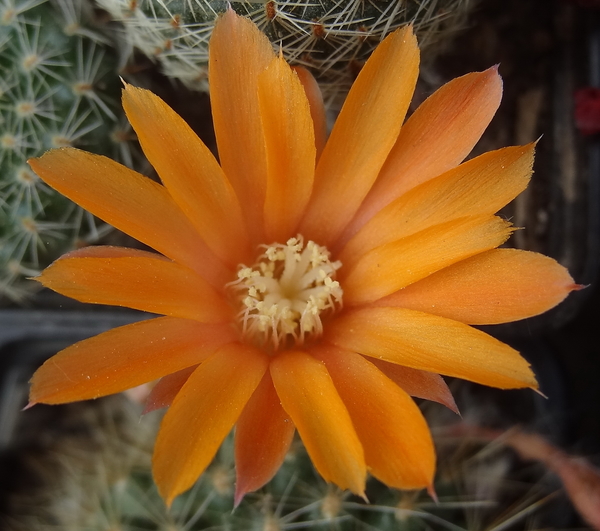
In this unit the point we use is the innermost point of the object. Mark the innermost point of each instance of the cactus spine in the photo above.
(332, 37)
(58, 87)
(100, 479)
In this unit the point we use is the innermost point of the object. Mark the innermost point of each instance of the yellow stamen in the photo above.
(285, 293)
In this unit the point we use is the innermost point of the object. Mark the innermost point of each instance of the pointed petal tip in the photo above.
(453, 407)
(492, 76)
(40, 278)
(228, 15)
(169, 501)
(132, 93)
(537, 140)
(167, 496)
(409, 37)
(30, 404)
(34, 162)
(408, 29)
(149, 408)
(572, 287)
(536, 389)
(127, 92)
(493, 70)
(529, 381)
(238, 496)
(432, 493)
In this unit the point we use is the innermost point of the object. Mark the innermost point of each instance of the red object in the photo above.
(587, 110)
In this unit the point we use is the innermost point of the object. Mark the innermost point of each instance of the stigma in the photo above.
(285, 295)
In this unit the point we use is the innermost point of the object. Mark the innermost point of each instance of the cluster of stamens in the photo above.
(286, 292)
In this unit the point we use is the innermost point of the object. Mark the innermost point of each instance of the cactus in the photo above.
(331, 37)
(58, 87)
(98, 478)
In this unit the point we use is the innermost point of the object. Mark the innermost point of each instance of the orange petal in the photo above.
(436, 138)
(130, 202)
(125, 357)
(290, 145)
(166, 389)
(238, 53)
(135, 279)
(308, 395)
(431, 343)
(395, 437)
(395, 265)
(202, 415)
(263, 435)
(482, 185)
(421, 384)
(497, 286)
(362, 136)
(317, 106)
(189, 171)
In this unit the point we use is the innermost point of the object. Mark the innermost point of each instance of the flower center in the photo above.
(285, 294)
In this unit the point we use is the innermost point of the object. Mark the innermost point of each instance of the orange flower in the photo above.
(367, 257)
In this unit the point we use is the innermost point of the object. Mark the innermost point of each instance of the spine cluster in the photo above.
(58, 87)
(331, 37)
(100, 479)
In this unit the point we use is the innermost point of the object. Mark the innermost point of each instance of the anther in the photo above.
(285, 294)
